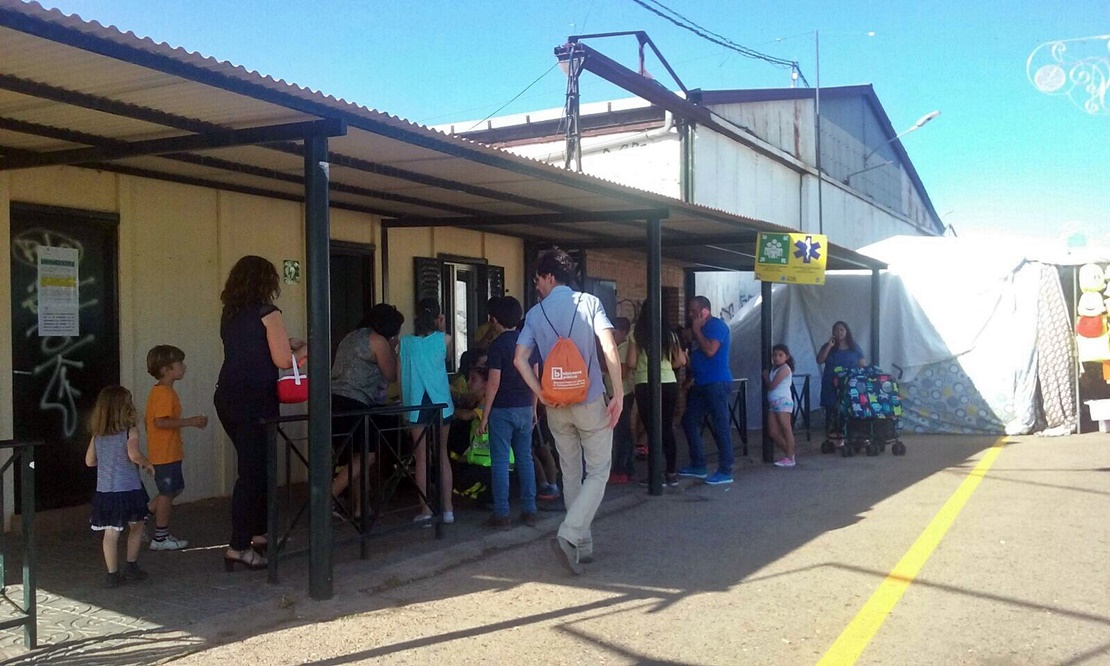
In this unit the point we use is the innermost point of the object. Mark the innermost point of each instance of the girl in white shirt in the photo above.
(780, 422)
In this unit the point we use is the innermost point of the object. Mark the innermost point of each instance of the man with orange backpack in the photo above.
(565, 327)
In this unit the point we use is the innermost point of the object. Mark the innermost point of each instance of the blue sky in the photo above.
(1002, 157)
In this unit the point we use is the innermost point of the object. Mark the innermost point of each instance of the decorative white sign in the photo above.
(59, 301)
(1076, 68)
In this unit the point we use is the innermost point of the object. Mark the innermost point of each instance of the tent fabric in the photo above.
(964, 329)
(1056, 357)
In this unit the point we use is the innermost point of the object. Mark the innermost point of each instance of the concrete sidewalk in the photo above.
(783, 567)
(190, 604)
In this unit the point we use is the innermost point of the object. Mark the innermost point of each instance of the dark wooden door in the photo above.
(352, 288)
(58, 377)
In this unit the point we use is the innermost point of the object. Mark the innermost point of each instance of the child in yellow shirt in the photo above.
(165, 449)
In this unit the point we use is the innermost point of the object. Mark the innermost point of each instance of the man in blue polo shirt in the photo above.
(709, 394)
(582, 431)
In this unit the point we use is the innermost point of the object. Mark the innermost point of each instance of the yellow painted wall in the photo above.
(508, 253)
(405, 244)
(177, 244)
(170, 283)
(459, 242)
(63, 186)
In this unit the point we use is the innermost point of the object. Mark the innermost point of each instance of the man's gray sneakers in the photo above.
(567, 554)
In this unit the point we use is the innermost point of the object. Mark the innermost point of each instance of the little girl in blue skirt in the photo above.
(120, 500)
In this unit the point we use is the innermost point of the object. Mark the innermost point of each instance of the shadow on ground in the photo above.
(190, 603)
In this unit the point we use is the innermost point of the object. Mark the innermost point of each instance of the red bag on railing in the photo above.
(293, 389)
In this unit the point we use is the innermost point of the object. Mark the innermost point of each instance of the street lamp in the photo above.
(921, 122)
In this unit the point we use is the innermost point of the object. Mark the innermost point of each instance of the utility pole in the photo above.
(817, 133)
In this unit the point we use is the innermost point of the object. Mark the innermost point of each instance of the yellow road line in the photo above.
(859, 632)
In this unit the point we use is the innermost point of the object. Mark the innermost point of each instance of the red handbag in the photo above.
(293, 389)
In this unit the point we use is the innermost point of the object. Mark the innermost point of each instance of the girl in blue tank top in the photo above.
(424, 382)
(120, 500)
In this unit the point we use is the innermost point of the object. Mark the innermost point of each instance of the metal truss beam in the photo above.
(118, 150)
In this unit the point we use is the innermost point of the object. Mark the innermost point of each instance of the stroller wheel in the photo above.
(847, 451)
(898, 449)
(872, 449)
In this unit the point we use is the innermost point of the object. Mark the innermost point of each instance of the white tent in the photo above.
(982, 337)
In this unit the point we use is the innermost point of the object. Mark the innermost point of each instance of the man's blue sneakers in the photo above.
(691, 471)
(719, 479)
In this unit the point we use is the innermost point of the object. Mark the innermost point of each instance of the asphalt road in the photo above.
(999, 553)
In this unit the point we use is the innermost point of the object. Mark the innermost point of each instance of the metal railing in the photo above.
(22, 458)
(801, 403)
(392, 444)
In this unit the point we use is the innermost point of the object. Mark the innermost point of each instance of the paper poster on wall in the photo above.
(791, 258)
(59, 302)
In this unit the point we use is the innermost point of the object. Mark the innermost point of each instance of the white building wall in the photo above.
(784, 124)
(849, 218)
(733, 178)
(888, 184)
(649, 160)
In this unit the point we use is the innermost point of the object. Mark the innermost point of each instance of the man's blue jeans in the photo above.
(511, 427)
(711, 399)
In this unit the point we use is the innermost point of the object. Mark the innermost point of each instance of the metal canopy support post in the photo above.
(385, 262)
(876, 296)
(317, 239)
(765, 333)
(21, 460)
(527, 287)
(655, 316)
(30, 582)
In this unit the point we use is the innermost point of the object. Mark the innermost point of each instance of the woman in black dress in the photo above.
(256, 345)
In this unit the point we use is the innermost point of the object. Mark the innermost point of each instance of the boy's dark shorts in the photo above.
(169, 479)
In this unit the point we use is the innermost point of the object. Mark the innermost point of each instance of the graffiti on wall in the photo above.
(58, 355)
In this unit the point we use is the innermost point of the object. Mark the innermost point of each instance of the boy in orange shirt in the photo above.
(165, 449)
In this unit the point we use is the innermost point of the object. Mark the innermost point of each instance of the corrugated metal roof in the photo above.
(66, 83)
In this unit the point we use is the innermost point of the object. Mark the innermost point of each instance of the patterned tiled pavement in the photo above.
(188, 602)
(128, 624)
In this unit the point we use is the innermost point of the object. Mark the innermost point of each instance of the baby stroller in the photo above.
(869, 412)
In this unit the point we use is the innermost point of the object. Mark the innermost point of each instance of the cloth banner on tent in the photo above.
(985, 349)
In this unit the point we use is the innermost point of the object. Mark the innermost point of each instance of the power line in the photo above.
(742, 49)
(706, 34)
(589, 10)
(515, 97)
